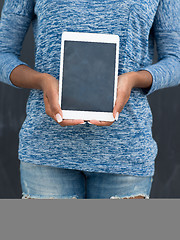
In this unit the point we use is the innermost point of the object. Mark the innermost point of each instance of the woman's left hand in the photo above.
(124, 88)
(126, 82)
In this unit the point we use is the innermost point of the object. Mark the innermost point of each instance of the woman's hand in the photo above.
(124, 88)
(24, 77)
(50, 87)
(126, 82)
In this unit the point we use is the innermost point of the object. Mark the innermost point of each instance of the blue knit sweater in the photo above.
(127, 146)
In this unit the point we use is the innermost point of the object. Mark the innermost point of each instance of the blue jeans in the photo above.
(47, 182)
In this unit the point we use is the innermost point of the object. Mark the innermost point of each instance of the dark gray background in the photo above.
(165, 106)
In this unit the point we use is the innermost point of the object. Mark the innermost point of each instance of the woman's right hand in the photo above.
(50, 88)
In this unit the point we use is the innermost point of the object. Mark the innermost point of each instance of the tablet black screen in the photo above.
(88, 76)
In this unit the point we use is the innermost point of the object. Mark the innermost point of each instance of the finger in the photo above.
(53, 99)
(121, 100)
(101, 123)
(47, 107)
(48, 110)
(69, 122)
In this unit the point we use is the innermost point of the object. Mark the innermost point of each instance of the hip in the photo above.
(39, 181)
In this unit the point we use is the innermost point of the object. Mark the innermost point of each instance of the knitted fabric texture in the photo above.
(127, 146)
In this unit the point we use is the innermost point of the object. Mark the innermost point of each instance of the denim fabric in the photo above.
(47, 182)
(127, 146)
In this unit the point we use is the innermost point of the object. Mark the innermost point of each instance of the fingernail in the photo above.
(83, 123)
(117, 115)
(59, 118)
(89, 123)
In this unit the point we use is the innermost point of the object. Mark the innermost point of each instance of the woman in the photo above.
(62, 158)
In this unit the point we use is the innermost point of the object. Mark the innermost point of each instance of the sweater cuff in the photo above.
(9, 68)
(152, 71)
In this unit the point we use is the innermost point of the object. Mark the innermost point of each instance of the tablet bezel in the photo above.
(88, 37)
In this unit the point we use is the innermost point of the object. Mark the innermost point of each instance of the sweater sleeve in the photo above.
(16, 17)
(166, 28)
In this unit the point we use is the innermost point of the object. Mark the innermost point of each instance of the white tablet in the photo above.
(88, 75)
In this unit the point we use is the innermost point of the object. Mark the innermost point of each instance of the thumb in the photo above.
(119, 104)
(53, 100)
